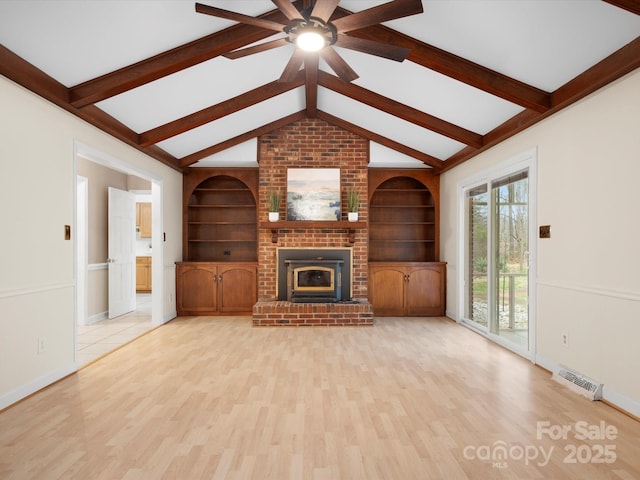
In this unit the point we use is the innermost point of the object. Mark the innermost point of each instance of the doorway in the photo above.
(497, 238)
(95, 334)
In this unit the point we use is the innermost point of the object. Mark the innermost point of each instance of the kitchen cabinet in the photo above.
(143, 219)
(143, 274)
(209, 288)
(407, 288)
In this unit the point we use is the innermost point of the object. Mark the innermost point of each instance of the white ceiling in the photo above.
(542, 43)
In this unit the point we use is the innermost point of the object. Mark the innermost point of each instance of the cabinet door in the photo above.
(387, 285)
(425, 291)
(197, 292)
(143, 274)
(237, 288)
(145, 220)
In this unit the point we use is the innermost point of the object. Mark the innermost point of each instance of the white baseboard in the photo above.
(97, 317)
(37, 384)
(611, 396)
(169, 316)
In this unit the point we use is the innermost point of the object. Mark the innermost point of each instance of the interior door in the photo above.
(122, 252)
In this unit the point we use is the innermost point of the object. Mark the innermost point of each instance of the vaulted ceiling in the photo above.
(153, 74)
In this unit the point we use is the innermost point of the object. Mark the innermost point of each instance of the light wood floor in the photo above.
(214, 398)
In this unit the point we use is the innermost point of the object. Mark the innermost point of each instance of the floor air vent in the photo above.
(579, 383)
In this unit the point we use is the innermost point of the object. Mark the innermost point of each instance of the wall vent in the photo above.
(579, 383)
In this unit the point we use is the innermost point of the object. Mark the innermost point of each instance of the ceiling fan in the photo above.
(311, 30)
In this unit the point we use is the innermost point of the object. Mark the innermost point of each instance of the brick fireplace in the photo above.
(312, 143)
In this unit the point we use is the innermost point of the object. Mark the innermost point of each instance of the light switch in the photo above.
(67, 232)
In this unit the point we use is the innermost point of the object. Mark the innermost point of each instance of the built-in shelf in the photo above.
(402, 222)
(220, 219)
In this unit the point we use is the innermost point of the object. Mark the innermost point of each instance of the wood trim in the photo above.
(400, 110)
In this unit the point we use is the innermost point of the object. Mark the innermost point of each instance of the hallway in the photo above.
(97, 339)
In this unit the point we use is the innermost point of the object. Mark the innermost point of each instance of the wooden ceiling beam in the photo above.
(632, 6)
(616, 65)
(232, 142)
(433, 162)
(461, 69)
(25, 74)
(311, 84)
(400, 110)
(171, 61)
(209, 114)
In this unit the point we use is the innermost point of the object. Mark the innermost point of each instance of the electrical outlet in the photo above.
(564, 339)
(41, 345)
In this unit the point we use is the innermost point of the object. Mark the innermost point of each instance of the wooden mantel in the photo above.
(308, 224)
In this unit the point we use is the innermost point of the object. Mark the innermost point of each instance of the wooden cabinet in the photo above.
(220, 215)
(143, 274)
(407, 288)
(207, 288)
(405, 276)
(143, 219)
(220, 242)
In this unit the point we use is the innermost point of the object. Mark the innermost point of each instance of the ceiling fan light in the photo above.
(310, 41)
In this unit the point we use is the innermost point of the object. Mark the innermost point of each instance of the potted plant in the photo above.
(274, 205)
(353, 202)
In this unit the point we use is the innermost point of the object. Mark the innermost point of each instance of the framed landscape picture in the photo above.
(313, 194)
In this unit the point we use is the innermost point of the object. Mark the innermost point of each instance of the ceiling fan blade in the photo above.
(292, 68)
(323, 9)
(384, 50)
(238, 17)
(338, 65)
(288, 9)
(261, 47)
(379, 14)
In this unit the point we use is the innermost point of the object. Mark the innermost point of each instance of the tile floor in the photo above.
(101, 337)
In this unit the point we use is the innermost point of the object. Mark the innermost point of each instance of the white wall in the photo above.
(37, 186)
(589, 270)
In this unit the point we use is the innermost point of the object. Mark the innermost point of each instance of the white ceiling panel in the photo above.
(431, 92)
(235, 124)
(383, 157)
(193, 89)
(544, 43)
(387, 125)
(74, 41)
(243, 155)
